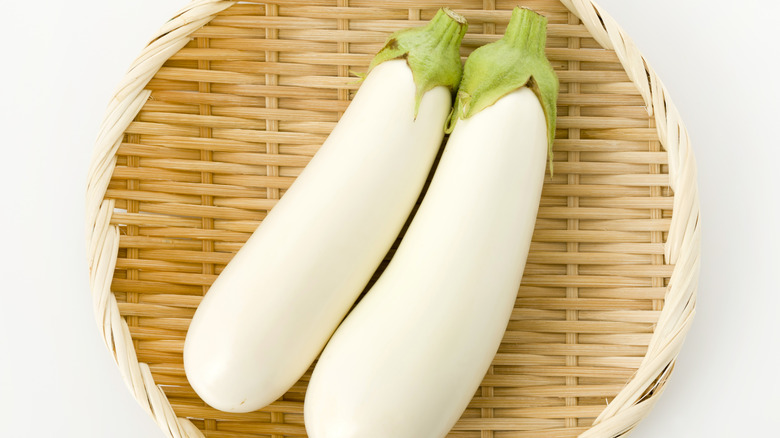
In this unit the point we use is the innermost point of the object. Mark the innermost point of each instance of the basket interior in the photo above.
(235, 115)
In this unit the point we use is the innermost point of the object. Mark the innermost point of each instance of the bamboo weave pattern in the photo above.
(228, 103)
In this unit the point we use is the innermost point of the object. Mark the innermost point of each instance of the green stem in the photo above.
(527, 31)
(499, 68)
(432, 52)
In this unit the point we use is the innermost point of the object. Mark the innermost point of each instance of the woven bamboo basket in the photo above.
(230, 100)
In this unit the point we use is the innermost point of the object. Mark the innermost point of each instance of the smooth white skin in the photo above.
(408, 359)
(273, 308)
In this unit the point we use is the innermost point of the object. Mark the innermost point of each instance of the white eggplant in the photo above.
(271, 311)
(410, 356)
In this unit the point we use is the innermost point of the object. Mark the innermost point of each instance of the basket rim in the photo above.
(682, 247)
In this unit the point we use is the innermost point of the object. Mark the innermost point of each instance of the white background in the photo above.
(61, 62)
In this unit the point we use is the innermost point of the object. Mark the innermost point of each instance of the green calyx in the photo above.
(432, 52)
(499, 68)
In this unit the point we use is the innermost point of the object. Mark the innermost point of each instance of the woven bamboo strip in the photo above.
(220, 112)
